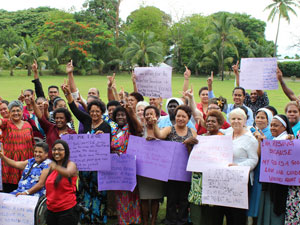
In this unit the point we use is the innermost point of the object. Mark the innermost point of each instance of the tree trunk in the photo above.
(117, 18)
(28, 71)
(275, 47)
(222, 60)
(40, 72)
(11, 72)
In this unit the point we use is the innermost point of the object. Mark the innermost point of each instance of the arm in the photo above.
(187, 75)
(69, 71)
(196, 112)
(70, 171)
(115, 92)
(20, 165)
(236, 72)
(133, 78)
(37, 84)
(39, 185)
(287, 91)
(110, 93)
(36, 109)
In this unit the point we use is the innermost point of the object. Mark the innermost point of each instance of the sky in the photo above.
(288, 35)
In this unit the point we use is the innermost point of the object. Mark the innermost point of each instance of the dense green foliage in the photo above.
(290, 68)
(96, 38)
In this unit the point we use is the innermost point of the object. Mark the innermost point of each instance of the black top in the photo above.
(86, 120)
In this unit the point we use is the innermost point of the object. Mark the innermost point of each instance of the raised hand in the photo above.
(210, 79)
(133, 77)
(187, 73)
(21, 97)
(69, 67)
(65, 88)
(236, 67)
(34, 66)
(111, 80)
(279, 74)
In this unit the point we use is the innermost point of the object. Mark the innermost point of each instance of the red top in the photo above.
(63, 196)
(163, 113)
(202, 130)
(52, 133)
(18, 145)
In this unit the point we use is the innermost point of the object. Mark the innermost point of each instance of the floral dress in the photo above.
(18, 145)
(292, 213)
(128, 203)
(31, 176)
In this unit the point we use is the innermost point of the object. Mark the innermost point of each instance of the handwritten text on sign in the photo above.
(17, 210)
(211, 151)
(259, 73)
(153, 158)
(280, 162)
(226, 186)
(122, 175)
(154, 81)
(90, 152)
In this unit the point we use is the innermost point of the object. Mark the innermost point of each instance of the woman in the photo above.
(177, 191)
(18, 142)
(3, 112)
(93, 123)
(245, 148)
(140, 106)
(128, 205)
(205, 214)
(61, 187)
(33, 176)
(274, 196)
(134, 98)
(214, 104)
(150, 190)
(203, 105)
(54, 131)
(263, 120)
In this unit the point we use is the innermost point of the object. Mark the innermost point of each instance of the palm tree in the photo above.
(282, 8)
(144, 50)
(223, 34)
(10, 59)
(41, 58)
(54, 55)
(27, 48)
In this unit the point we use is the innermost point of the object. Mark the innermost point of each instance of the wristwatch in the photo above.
(27, 192)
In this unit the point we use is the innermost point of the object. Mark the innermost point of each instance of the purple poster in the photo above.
(178, 169)
(153, 158)
(122, 175)
(280, 162)
(90, 152)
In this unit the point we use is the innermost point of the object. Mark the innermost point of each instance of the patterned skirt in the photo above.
(292, 214)
(128, 206)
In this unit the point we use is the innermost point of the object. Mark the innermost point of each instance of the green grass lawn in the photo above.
(12, 86)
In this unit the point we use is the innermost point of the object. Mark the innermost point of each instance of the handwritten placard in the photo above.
(211, 151)
(122, 175)
(180, 158)
(153, 158)
(280, 162)
(17, 210)
(90, 152)
(226, 186)
(154, 81)
(259, 73)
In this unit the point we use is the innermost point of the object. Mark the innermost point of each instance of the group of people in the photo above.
(35, 161)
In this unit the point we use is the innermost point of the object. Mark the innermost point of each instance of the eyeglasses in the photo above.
(58, 149)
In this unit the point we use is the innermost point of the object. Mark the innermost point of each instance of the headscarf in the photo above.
(268, 113)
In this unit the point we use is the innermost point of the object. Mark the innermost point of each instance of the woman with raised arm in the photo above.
(61, 187)
(18, 142)
(93, 123)
(177, 191)
(34, 174)
(128, 203)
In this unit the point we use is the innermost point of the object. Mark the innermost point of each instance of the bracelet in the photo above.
(27, 192)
